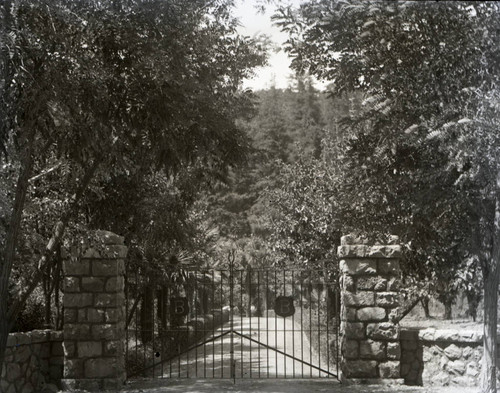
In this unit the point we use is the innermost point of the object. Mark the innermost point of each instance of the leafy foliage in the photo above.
(422, 152)
(99, 99)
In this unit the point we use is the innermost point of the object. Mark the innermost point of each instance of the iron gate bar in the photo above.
(241, 319)
(319, 331)
(301, 324)
(284, 328)
(309, 289)
(222, 315)
(276, 320)
(258, 312)
(249, 309)
(293, 327)
(267, 319)
(285, 354)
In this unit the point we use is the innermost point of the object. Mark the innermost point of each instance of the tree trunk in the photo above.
(488, 384)
(491, 278)
(425, 306)
(472, 302)
(5, 327)
(447, 309)
(8, 253)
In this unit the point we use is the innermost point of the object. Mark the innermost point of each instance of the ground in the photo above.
(272, 386)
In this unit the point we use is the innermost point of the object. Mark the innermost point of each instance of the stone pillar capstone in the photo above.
(369, 284)
(94, 315)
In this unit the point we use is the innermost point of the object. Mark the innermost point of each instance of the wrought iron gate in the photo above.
(230, 323)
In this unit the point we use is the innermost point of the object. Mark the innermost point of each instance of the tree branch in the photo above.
(45, 172)
(52, 244)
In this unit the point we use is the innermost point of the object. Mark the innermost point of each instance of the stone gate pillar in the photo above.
(369, 276)
(94, 320)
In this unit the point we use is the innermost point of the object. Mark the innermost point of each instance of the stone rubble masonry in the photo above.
(442, 357)
(370, 294)
(33, 362)
(94, 315)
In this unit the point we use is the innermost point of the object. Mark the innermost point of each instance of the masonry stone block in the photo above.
(76, 267)
(93, 284)
(348, 283)
(11, 340)
(369, 349)
(360, 369)
(39, 336)
(112, 347)
(70, 315)
(394, 284)
(76, 332)
(358, 266)
(353, 330)
(105, 267)
(96, 315)
(384, 251)
(100, 368)
(350, 315)
(390, 369)
(82, 315)
(107, 252)
(23, 353)
(393, 350)
(370, 314)
(73, 368)
(115, 284)
(387, 299)
(56, 349)
(109, 299)
(78, 300)
(453, 352)
(114, 315)
(457, 367)
(13, 372)
(351, 349)
(358, 299)
(23, 339)
(105, 332)
(89, 349)
(371, 283)
(382, 331)
(71, 284)
(69, 348)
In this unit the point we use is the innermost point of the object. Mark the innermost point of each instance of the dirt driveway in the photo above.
(263, 348)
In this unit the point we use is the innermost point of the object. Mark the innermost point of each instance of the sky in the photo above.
(253, 23)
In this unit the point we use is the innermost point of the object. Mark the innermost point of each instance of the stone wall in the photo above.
(442, 357)
(369, 298)
(33, 362)
(94, 316)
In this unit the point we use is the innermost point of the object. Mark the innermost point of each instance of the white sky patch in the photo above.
(255, 23)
